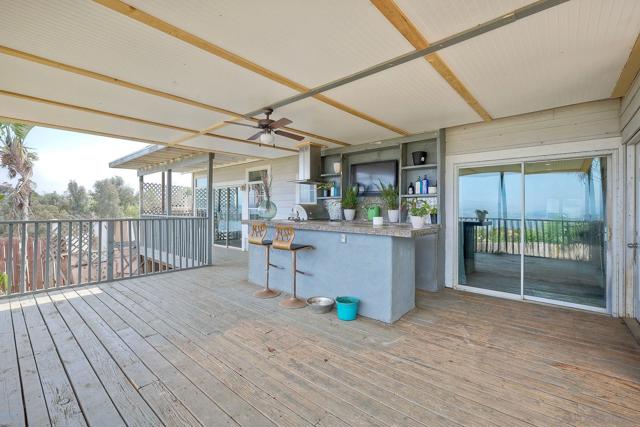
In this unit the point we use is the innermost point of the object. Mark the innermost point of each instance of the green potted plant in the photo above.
(350, 202)
(325, 188)
(417, 212)
(433, 212)
(4, 283)
(371, 211)
(481, 214)
(389, 196)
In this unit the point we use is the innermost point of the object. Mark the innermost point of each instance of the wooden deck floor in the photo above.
(195, 348)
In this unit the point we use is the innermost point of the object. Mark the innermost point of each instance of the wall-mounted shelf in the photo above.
(415, 196)
(425, 166)
(328, 197)
(330, 175)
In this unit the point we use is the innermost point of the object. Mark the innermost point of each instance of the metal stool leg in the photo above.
(293, 301)
(266, 292)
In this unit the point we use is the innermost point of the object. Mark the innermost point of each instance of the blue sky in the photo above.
(82, 157)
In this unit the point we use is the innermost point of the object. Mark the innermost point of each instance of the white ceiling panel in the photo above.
(412, 96)
(211, 143)
(41, 81)
(310, 42)
(87, 35)
(569, 54)
(44, 113)
(322, 119)
(437, 19)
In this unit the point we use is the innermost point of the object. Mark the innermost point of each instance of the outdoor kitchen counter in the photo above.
(382, 266)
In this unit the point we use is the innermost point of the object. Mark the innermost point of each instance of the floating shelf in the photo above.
(329, 175)
(425, 166)
(327, 198)
(414, 196)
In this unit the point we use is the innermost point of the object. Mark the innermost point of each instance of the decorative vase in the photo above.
(419, 157)
(372, 212)
(394, 215)
(267, 209)
(417, 221)
(349, 214)
(337, 167)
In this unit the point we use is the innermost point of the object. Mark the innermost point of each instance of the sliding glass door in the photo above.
(565, 207)
(227, 216)
(535, 230)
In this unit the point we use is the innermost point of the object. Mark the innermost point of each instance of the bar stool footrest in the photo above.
(293, 303)
(266, 293)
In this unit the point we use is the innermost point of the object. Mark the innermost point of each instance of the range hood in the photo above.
(309, 164)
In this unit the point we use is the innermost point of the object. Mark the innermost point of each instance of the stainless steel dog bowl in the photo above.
(321, 305)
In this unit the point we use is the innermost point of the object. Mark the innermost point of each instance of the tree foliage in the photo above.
(18, 159)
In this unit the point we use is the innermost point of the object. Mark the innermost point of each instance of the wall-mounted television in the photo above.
(369, 175)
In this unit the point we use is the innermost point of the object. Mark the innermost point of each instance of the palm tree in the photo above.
(18, 160)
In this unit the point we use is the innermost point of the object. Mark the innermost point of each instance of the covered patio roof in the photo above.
(172, 73)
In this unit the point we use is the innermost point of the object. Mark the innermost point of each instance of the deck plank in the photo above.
(61, 400)
(35, 406)
(207, 352)
(11, 405)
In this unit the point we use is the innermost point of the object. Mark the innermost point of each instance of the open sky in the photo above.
(85, 158)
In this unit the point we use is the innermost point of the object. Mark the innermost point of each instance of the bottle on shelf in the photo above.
(425, 185)
(411, 190)
(419, 186)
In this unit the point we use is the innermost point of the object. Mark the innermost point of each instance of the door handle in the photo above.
(633, 245)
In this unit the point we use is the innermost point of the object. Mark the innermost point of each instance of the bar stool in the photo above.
(283, 241)
(257, 237)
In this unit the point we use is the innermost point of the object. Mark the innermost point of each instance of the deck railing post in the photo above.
(209, 251)
(110, 249)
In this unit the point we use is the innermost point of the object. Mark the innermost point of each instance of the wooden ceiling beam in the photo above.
(392, 12)
(629, 71)
(186, 37)
(132, 86)
(192, 132)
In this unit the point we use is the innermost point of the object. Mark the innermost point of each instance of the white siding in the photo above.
(630, 114)
(283, 170)
(591, 120)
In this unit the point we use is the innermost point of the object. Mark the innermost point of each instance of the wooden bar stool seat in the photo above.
(283, 241)
(257, 237)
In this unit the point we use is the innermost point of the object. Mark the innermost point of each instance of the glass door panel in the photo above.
(227, 216)
(564, 248)
(489, 216)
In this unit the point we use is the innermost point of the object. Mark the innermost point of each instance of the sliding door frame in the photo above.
(608, 148)
(227, 186)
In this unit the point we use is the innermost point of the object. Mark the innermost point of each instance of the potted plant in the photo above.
(4, 283)
(389, 196)
(417, 212)
(350, 202)
(481, 214)
(433, 212)
(371, 211)
(325, 188)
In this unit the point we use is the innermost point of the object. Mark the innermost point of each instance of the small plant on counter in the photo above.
(417, 211)
(350, 202)
(389, 196)
(325, 188)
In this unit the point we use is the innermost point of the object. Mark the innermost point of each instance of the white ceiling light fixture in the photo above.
(267, 138)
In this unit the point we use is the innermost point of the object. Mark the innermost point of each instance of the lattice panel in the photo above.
(152, 199)
(182, 200)
(201, 201)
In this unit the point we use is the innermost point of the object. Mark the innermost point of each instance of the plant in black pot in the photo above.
(433, 213)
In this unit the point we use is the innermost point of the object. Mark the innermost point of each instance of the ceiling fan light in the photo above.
(267, 138)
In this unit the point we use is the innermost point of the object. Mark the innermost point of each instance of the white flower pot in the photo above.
(349, 214)
(417, 221)
(394, 215)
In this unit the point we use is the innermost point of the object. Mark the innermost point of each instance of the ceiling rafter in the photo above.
(392, 12)
(193, 132)
(180, 34)
(132, 86)
(629, 71)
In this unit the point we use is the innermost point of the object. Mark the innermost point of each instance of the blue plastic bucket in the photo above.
(347, 307)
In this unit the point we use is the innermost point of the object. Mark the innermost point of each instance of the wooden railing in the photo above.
(556, 239)
(37, 255)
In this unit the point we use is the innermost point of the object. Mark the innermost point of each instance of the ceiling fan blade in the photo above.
(289, 135)
(241, 124)
(256, 136)
(280, 123)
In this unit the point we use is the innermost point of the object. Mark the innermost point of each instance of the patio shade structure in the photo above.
(171, 74)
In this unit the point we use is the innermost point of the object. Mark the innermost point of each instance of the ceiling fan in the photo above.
(268, 128)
